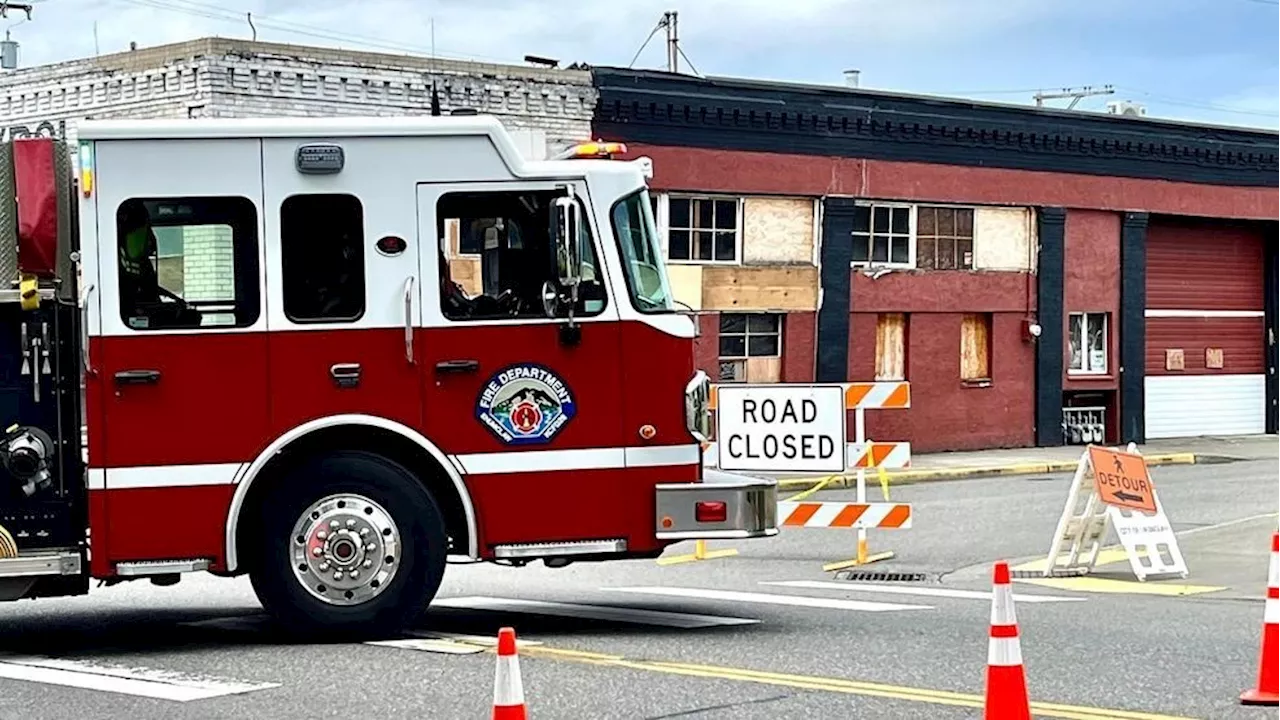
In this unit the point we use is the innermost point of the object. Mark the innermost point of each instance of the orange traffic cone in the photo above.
(1268, 690)
(508, 689)
(1006, 684)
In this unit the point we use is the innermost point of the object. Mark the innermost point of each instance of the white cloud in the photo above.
(908, 45)
(588, 30)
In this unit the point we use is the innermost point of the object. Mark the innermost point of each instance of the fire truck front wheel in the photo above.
(352, 544)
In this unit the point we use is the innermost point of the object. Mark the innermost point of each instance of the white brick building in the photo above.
(218, 77)
(547, 109)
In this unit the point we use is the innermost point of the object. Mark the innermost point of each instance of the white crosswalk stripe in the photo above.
(849, 587)
(432, 645)
(125, 680)
(639, 616)
(769, 599)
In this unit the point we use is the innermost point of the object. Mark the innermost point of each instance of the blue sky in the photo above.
(1210, 61)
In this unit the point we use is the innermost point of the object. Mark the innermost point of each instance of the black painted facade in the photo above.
(1133, 327)
(1270, 300)
(660, 108)
(1051, 228)
(832, 341)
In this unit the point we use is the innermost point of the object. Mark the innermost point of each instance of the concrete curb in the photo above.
(912, 477)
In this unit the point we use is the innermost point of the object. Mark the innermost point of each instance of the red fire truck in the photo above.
(335, 354)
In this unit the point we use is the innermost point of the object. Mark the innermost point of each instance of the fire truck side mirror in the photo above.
(565, 221)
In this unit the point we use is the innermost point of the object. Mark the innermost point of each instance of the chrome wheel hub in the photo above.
(346, 549)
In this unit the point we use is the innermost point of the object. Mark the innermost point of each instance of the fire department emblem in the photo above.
(525, 404)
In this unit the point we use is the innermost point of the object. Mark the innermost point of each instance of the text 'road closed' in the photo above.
(781, 429)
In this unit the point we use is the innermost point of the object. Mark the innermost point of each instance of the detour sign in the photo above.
(1122, 479)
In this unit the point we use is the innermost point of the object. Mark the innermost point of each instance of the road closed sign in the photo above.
(781, 428)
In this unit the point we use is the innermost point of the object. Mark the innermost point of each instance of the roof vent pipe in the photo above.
(851, 77)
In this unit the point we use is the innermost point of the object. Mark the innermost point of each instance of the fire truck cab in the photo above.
(335, 353)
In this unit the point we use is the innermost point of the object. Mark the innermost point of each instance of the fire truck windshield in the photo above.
(646, 273)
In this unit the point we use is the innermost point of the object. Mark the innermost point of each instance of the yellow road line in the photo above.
(1134, 587)
(839, 685)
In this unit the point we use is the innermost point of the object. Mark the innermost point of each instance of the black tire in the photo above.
(422, 547)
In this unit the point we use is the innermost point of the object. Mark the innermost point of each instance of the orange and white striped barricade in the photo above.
(1113, 487)
(844, 515)
(752, 422)
(861, 397)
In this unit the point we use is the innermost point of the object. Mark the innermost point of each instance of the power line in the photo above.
(1198, 104)
(215, 12)
(1165, 99)
(645, 44)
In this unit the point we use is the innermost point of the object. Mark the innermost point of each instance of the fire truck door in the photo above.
(177, 395)
(342, 285)
(530, 413)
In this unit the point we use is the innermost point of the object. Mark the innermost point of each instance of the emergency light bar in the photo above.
(593, 149)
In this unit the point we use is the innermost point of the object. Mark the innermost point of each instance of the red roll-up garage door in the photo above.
(1205, 365)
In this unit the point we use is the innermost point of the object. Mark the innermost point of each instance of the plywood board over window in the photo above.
(891, 346)
(975, 347)
(777, 230)
(1004, 239)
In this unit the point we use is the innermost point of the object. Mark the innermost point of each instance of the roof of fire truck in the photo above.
(334, 128)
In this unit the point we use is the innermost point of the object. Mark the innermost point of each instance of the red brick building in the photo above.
(1039, 276)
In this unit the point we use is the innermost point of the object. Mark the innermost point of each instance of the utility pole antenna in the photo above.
(96, 51)
(435, 92)
(1076, 94)
(6, 6)
(671, 21)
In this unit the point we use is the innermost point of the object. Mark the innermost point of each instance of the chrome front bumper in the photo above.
(751, 508)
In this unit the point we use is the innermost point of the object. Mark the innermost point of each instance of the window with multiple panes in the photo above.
(702, 229)
(1087, 335)
(922, 236)
(517, 258)
(745, 337)
(882, 234)
(322, 257)
(944, 238)
(188, 262)
(975, 347)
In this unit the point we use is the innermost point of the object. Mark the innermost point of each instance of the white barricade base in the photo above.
(1147, 538)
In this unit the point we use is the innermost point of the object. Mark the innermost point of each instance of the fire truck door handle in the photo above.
(462, 366)
(137, 377)
(346, 375)
(408, 319)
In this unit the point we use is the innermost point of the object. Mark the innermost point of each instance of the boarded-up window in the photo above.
(891, 346)
(975, 347)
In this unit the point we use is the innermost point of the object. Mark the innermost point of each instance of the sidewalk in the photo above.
(1026, 461)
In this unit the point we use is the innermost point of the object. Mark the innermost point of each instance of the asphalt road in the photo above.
(732, 644)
